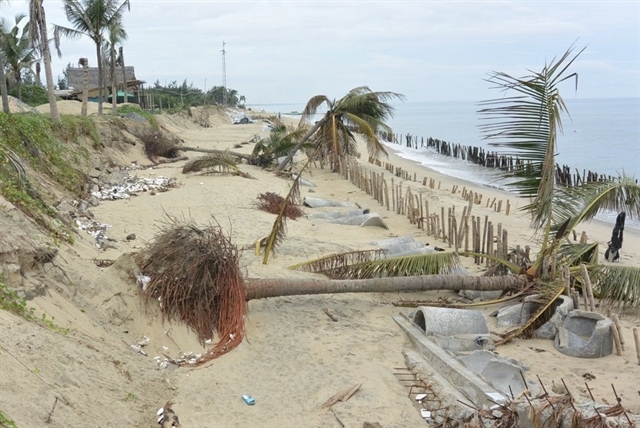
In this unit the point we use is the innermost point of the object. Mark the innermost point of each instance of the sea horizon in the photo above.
(600, 135)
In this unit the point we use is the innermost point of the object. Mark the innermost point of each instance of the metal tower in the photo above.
(224, 76)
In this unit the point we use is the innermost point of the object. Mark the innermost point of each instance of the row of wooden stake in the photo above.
(463, 233)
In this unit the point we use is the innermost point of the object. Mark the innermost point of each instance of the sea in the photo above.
(601, 135)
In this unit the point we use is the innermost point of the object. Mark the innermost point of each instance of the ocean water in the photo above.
(601, 135)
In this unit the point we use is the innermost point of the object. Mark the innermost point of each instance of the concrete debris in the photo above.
(585, 335)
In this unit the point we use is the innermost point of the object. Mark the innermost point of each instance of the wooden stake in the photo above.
(636, 339)
(616, 320)
(616, 338)
(587, 283)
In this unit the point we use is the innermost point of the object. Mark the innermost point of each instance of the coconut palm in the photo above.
(280, 141)
(3, 81)
(92, 18)
(528, 124)
(17, 50)
(39, 40)
(120, 62)
(360, 111)
(84, 63)
(116, 35)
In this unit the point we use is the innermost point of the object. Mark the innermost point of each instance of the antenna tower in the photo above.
(224, 76)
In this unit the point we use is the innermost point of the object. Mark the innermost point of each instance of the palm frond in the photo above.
(214, 164)
(528, 124)
(413, 265)
(278, 230)
(335, 262)
(618, 286)
(514, 268)
(312, 107)
(582, 203)
(575, 254)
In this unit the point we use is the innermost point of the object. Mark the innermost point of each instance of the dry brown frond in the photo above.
(215, 163)
(273, 203)
(195, 275)
(157, 144)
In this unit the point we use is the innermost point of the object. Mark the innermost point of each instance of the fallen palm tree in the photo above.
(157, 144)
(195, 275)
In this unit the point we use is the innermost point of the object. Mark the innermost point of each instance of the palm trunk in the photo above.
(46, 56)
(85, 85)
(100, 76)
(303, 140)
(38, 81)
(258, 288)
(19, 86)
(3, 89)
(114, 85)
(124, 75)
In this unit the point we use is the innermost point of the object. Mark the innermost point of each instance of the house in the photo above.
(75, 77)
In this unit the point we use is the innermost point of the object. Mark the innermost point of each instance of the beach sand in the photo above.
(294, 357)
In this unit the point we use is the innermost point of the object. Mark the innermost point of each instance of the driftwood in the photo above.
(330, 315)
(343, 395)
(219, 152)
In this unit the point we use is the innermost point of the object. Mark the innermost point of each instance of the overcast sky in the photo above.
(289, 51)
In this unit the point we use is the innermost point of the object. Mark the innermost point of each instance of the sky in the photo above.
(288, 51)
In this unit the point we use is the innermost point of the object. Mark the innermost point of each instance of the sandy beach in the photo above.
(294, 357)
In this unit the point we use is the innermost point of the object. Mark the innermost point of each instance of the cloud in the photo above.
(284, 51)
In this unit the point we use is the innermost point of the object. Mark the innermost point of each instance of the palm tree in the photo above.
(84, 63)
(360, 111)
(3, 81)
(116, 35)
(92, 18)
(124, 73)
(17, 50)
(528, 123)
(39, 40)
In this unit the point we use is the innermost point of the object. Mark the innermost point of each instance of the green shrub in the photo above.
(122, 110)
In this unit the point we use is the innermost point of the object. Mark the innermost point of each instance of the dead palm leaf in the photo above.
(278, 231)
(548, 295)
(618, 285)
(215, 163)
(328, 264)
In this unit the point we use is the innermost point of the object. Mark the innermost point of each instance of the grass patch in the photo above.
(5, 422)
(122, 110)
(34, 140)
(11, 302)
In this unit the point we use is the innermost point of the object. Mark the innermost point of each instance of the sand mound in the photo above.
(17, 106)
(74, 107)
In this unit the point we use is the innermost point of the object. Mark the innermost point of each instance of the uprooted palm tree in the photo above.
(194, 272)
(361, 111)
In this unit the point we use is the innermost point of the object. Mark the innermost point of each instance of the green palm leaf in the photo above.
(618, 285)
(582, 203)
(527, 124)
(354, 265)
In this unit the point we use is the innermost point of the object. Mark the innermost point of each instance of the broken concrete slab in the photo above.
(339, 214)
(504, 374)
(520, 313)
(585, 335)
(472, 386)
(312, 202)
(455, 330)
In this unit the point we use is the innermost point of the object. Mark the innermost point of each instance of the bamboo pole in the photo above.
(616, 321)
(449, 232)
(616, 338)
(636, 339)
(587, 283)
